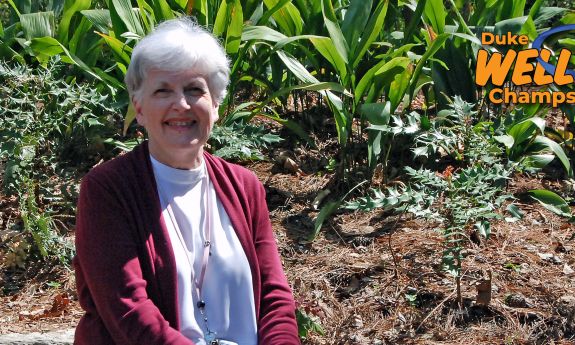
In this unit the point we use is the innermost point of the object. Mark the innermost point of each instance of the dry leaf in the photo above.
(567, 270)
(484, 289)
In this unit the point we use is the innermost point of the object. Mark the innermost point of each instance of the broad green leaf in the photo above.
(113, 82)
(162, 10)
(557, 150)
(124, 18)
(200, 10)
(45, 48)
(355, 21)
(288, 17)
(234, 33)
(366, 82)
(320, 86)
(436, 14)
(513, 25)
(292, 126)
(47, 45)
(567, 43)
(27, 6)
(327, 49)
(341, 115)
(229, 20)
(384, 78)
(545, 13)
(39, 24)
(462, 22)
(371, 32)
(334, 102)
(80, 33)
(506, 140)
(551, 201)
(8, 53)
(327, 210)
(334, 30)
(525, 129)
(518, 8)
(306, 324)
(534, 11)
(251, 6)
(146, 14)
(515, 211)
(239, 113)
(376, 113)
(71, 7)
(410, 30)
(262, 33)
(435, 46)
(222, 19)
(296, 68)
(470, 38)
(99, 18)
(529, 29)
(16, 9)
(399, 86)
(256, 14)
(183, 3)
(537, 161)
(374, 139)
(122, 50)
(484, 228)
(270, 12)
(401, 62)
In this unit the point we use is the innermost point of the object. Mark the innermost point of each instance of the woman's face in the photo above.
(178, 112)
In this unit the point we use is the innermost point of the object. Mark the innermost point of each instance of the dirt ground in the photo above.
(375, 278)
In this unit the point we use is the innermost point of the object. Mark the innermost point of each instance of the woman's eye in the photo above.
(161, 91)
(194, 91)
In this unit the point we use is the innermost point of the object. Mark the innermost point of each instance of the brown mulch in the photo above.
(376, 278)
(357, 276)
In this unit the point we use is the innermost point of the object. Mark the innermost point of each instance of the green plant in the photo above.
(459, 200)
(240, 142)
(306, 324)
(42, 228)
(526, 144)
(553, 202)
(49, 132)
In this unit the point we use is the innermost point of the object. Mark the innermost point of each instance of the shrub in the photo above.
(49, 132)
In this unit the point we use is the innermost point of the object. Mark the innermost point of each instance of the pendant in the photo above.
(210, 338)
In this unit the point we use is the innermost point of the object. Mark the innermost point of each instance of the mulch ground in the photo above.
(376, 278)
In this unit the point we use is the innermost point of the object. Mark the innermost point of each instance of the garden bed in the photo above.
(376, 278)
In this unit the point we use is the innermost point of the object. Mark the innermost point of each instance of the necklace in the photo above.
(209, 335)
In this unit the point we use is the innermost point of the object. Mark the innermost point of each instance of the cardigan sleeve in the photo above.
(111, 273)
(277, 323)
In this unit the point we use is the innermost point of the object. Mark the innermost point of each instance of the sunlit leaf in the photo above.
(551, 201)
(71, 7)
(39, 24)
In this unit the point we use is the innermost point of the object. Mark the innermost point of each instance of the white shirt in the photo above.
(227, 288)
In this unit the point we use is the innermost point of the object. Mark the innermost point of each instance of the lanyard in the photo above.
(210, 336)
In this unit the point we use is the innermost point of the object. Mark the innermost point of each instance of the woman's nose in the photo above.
(181, 102)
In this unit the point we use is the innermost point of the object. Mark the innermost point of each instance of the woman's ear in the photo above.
(216, 111)
(138, 110)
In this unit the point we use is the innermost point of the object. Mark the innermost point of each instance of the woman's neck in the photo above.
(178, 159)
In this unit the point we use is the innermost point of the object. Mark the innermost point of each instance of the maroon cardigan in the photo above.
(125, 267)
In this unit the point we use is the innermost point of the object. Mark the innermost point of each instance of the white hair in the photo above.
(178, 45)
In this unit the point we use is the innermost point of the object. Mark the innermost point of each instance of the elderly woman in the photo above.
(175, 246)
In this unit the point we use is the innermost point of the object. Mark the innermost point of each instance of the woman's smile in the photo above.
(180, 125)
(178, 112)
